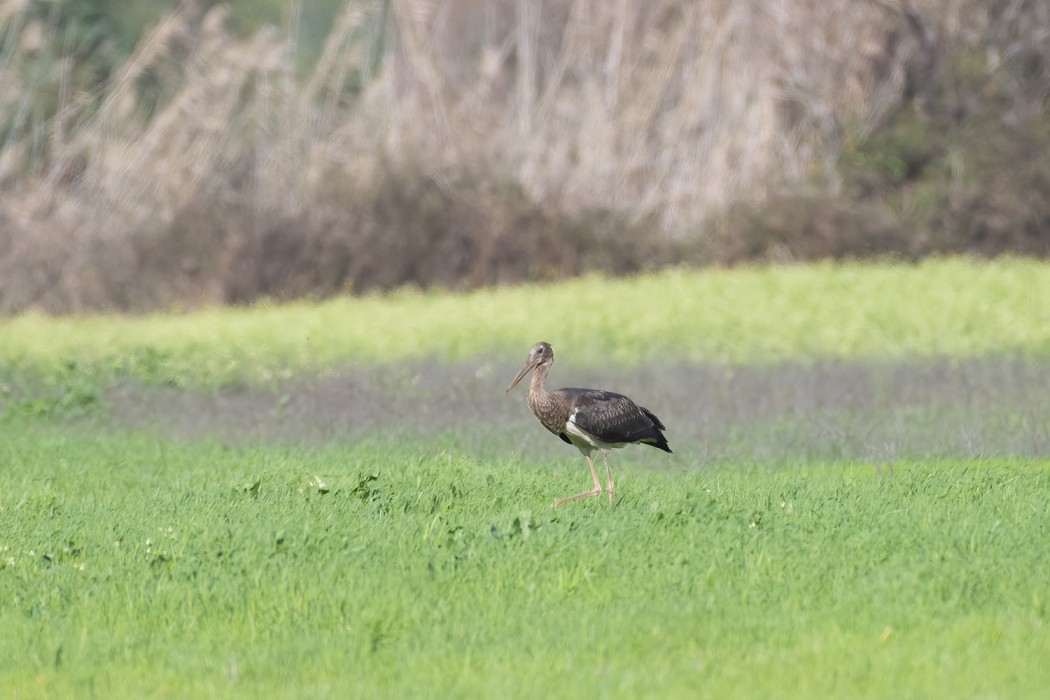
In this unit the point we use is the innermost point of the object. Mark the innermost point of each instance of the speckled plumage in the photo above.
(590, 419)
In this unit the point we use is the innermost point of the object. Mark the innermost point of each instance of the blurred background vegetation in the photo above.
(175, 153)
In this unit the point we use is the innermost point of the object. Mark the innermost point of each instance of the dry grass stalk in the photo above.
(492, 136)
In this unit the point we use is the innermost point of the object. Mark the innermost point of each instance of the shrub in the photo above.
(505, 141)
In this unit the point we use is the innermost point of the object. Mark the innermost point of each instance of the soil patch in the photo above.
(833, 409)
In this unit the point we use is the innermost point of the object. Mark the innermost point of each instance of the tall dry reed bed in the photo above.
(463, 143)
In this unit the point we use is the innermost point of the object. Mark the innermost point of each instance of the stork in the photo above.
(590, 419)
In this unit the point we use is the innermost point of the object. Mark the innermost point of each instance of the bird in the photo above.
(589, 419)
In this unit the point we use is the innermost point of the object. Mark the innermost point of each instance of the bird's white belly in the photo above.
(584, 440)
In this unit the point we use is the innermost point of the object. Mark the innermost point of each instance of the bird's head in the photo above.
(540, 354)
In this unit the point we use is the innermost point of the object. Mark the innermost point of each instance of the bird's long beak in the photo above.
(529, 365)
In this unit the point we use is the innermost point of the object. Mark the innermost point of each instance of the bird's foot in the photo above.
(593, 492)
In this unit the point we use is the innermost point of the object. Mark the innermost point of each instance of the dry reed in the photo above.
(459, 142)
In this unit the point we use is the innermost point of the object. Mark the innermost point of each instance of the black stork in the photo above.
(590, 419)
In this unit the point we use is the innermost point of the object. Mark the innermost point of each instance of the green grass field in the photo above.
(428, 562)
(951, 308)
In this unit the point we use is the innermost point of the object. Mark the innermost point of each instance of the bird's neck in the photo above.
(543, 405)
(538, 396)
(536, 387)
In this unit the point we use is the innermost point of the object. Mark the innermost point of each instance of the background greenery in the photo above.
(939, 308)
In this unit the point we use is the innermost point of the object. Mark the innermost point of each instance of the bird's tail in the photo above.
(655, 437)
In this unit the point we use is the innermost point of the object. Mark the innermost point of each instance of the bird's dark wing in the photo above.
(615, 418)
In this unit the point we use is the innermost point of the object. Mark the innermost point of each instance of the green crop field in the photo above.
(952, 308)
(338, 499)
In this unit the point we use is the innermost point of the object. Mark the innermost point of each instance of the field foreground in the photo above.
(339, 500)
(138, 567)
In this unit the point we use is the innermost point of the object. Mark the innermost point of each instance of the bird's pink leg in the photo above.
(608, 474)
(594, 492)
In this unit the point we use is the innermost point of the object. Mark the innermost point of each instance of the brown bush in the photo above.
(466, 143)
(809, 226)
(1006, 211)
(408, 229)
(909, 203)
